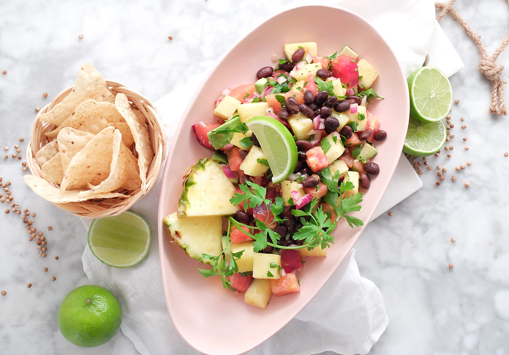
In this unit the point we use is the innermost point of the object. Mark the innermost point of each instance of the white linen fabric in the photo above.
(347, 316)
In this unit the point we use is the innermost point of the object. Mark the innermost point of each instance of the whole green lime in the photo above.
(89, 316)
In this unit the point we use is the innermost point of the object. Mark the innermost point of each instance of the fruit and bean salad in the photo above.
(292, 154)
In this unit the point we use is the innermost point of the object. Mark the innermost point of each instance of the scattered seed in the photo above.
(29, 285)
(469, 163)
(452, 136)
(20, 157)
(4, 72)
(6, 156)
(506, 154)
(467, 184)
(420, 172)
(439, 173)
(7, 211)
(425, 163)
(44, 249)
(462, 119)
(44, 242)
(462, 166)
(37, 109)
(442, 178)
(56, 257)
(438, 167)
(448, 139)
(464, 139)
(80, 36)
(53, 278)
(21, 139)
(448, 155)
(33, 215)
(444, 170)
(438, 183)
(457, 102)
(448, 117)
(454, 178)
(50, 228)
(45, 269)
(170, 38)
(43, 255)
(3, 292)
(24, 169)
(446, 148)
(429, 167)
(390, 214)
(14, 155)
(45, 95)
(448, 133)
(451, 147)
(458, 168)
(436, 155)
(452, 125)
(451, 266)
(463, 126)
(466, 148)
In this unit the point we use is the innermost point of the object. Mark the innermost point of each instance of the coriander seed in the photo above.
(45, 95)
(453, 240)
(467, 184)
(53, 278)
(469, 163)
(45, 269)
(390, 214)
(3, 292)
(29, 285)
(451, 266)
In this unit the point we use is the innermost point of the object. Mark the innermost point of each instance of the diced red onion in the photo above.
(270, 110)
(316, 121)
(294, 176)
(226, 92)
(316, 139)
(281, 79)
(353, 108)
(218, 101)
(297, 198)
(307, 198)
(322, 124)
(274, 58)
(228, 146)
(228, 172)
(349, 92)
(267, 91)
(300, 64)
(308, 57)
(315, 131)
(271, 114)
(364, 101)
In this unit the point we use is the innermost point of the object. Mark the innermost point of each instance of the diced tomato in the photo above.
(318, 191)
(324, 61)
(310, 85)
(285, 285)
(345, 68)
(347, 159)
(234, 159)
(372, 123)
(241, 283)
(276, 74)
(201, 129)
(239, 92)
(264, 215)
(239, 237)
(249, 209)
(316, 159)
(290, 260)
(357, 165)
(328, 209)
(274, 103)
(258, 180)
(353, 140)
(271, 194)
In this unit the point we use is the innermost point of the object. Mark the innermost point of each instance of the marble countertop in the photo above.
(432, 309)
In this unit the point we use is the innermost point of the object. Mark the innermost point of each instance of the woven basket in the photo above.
(103, 207)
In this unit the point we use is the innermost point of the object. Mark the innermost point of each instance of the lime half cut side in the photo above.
(430, 94)
(278, 145)
(121, 241)
(424, 138)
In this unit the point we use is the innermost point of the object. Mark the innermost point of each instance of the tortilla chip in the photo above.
(133, 181)
(52, 194)
(92, 164)
(88, 79)
(101, 94)
(141, 136)
(90, 116)
(120, 167)
(46, 153)
(92, 125)
(127, 135)
(70, 143)
(52, 170)
(66, 123)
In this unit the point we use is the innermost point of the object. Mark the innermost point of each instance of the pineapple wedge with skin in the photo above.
(250, 165)
(258, 294)
(287, 187)
(207, 191)
(301, 125)
(367, 72)
(246, 111)
(309, 47)
(266, 266)
(226, 107)
(196, 235)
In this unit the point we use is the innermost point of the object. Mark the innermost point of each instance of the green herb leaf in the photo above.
(273, 265)
(332, 57)
(246, 142)
(370, 93)
(335, 139)
(263, 161)
(269, 274)
(240, 128)
(324, 86)
(254, 196)
(256, 99)
(329, 180)
(356, 151)
(361, 116)
(283, 61)
(325, 145)
(353, 125)
(247, 95)
(281, 99)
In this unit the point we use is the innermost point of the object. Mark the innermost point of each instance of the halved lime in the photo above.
(278, 145)
(424, 138)
(430, 94)
(120, 241)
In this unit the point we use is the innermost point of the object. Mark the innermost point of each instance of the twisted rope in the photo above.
(487, 65)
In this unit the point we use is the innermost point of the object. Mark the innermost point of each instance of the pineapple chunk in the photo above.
(237, 137)
(368, 74)
(207, 191)
(290, 48)
(246, 111)
(359, 117)
(349, 52)
(226, 107)
(196, 235)
(298, 86)
(343, 119)
(287, 187)
(301, 125)
(303, 73)
(318, 251)
(336, 148)
(258, 294)
(338, 165)
(245, 263)
(353, 177)
(266, 266)
(337, 88)
(250, 165)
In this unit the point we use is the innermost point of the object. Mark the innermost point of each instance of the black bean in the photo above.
(342, 106)
(307, 111)
(281, 230)
(380, 135)
(264, 72)
(346, 132)
(309, 97)
(285, 243)
(331, 101)
(298, 242)
(318, 112)
(313, 106)
(288, 224)
(255, 141)
(297, 226)
(292, 105)
(283, 114)
(298, 55)
(243, 154)
(242, 217)
(286, 66)
(302, 156)
(321, 97)
(299, 166)
(331, 124)
(287, 212)
(305, 171)
(311, 181)
(372, 168)
(303, 145)
(364, 181)
(243, 179)
(342, 177)
(351, 101)
(365, 134)
(356, 99)
(325, 112)
(268, 249)
(323, 73)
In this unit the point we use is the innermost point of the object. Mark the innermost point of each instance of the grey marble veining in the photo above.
(432, 309)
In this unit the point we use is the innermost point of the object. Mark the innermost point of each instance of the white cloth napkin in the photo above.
(348, 315)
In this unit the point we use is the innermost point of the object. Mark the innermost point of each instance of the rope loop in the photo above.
(492, 70)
